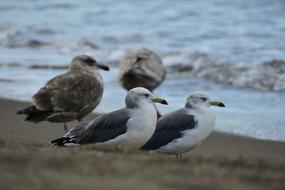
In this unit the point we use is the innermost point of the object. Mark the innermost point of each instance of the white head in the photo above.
(86, 62)
(138, 97)
(197, 100)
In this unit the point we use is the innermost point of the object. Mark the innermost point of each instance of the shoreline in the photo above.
(222, 161)
(92, 116)
(47, 131)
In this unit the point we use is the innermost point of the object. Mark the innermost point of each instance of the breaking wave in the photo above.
(42, 37)
(267, 76)
(32, 39)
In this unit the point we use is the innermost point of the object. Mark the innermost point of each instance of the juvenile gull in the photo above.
(132, 125)
(69, 96)
(184, 129)
(142, 68)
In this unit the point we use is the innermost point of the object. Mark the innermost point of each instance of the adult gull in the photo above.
(132, 125)
(182, 130)
(69, 96)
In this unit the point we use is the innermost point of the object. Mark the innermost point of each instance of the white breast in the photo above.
(193, 137)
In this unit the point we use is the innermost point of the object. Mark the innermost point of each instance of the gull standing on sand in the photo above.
(142, 68)
(132, 125)
(69, 96)
(182, 130)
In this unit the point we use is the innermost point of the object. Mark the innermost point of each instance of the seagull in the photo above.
(184, 129)
(132, 125)
(141, 67)
(69, 96)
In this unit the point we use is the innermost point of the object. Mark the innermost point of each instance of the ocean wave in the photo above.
(24, 39)
(43, 6)
(267, 76)
(123, 39)
(82, 44)
(42, 66)
(43, 37)
(4, 80)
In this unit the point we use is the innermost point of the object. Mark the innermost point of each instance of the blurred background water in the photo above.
(38, 38)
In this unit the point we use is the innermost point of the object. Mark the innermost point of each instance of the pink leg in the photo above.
(65, 127)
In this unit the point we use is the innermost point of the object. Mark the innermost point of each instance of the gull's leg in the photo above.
(65, 127)
(179, 156)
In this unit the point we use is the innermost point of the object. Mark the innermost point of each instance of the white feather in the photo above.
(140, 127)
(193, 137)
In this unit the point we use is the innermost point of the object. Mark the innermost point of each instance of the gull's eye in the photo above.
(90, 62)
(146, 95)
(204, 99)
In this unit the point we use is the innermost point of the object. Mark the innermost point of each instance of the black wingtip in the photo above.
(58, 142)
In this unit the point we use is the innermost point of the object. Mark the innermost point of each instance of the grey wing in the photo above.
(170, 127)
(70, 137)
(75, 131)
(105, 127)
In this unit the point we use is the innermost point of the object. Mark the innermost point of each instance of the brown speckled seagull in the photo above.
(69, 96)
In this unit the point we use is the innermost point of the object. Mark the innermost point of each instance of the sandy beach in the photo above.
(222, 162)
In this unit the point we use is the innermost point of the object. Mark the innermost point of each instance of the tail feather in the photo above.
(63, 141)
(71, 138)
(33, 114)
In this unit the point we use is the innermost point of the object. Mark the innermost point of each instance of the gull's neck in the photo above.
(86, 70)
(143, 105)
(198, 108)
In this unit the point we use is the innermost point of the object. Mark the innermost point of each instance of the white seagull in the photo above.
(132, 125)
(182, 130)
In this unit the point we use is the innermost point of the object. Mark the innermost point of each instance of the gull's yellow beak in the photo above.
(160, 100)
(217, 103)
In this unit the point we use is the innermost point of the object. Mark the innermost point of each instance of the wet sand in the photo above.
(222, 162)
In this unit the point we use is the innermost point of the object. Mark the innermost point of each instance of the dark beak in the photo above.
(103, 67)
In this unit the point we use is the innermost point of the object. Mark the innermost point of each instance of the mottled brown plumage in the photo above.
(69, 96)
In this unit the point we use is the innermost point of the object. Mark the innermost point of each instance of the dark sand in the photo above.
(221, 162)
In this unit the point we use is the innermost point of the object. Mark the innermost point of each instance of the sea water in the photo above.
(39, 38)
